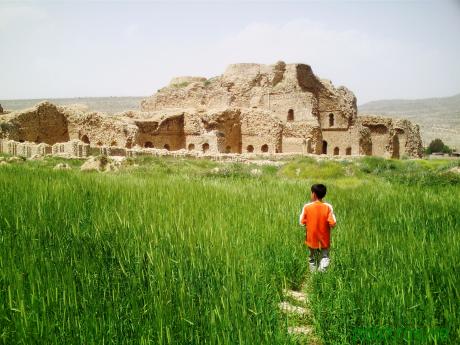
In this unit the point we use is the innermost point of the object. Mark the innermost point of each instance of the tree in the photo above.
(437, 145)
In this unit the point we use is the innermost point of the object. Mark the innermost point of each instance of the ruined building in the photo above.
(251, 108)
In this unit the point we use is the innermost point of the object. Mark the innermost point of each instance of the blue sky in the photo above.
(379, 49)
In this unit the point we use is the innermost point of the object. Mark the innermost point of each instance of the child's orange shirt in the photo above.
(319, 218)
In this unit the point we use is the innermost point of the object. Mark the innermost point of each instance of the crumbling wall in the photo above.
(336, 142)
(44, 123)
(72, 148)
(280, 88)
(99, 129)
(410, 140)
(364, 141)
(381, 134)
(356, 140)
(206, 142)
(24, 149)
(165, 133)
(337, 107)
(250, 108)
(186, 95)
(214, 132)
(393, 138)
(301, 137)
(261, 133)
(269, 87)
(226, 125)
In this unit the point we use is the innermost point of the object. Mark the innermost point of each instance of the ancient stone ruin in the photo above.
(251, 108)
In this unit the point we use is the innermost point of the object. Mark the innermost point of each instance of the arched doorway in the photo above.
(250, 148)
(309, 149)
(365, 146)
(290, 116)
(348, 151)
(148, 145)
(205, 147)
(395, 146)
(331, 120)
(336, 151)
(264, 148)
(324, 149)
(191, 147)
(85, 139)
(228, 149)
(166, 147)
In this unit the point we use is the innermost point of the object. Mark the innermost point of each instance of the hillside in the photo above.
(105, 104)
(437, 117)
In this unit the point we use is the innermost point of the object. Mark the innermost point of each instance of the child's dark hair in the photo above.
(319, 190)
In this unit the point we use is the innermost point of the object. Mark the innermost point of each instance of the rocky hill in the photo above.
(104, 104)
(437, 117)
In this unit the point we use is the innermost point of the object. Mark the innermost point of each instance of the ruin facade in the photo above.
(251, 108)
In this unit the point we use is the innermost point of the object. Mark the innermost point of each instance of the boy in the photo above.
(319, 218)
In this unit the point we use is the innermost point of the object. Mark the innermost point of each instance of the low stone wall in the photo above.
(73, 148)
(24, 149)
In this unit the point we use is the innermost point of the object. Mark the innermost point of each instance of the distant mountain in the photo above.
(105, 104)
(437, 117)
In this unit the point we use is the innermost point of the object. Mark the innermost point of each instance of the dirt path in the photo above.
(296, 306)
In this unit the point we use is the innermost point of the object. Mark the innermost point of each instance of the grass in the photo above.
(170, 251)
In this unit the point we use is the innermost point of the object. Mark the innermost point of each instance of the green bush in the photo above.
(437, 145)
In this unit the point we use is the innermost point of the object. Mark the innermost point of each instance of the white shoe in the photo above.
(312, 267)
(323, 264)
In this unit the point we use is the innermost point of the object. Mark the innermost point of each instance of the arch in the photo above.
(191, 147)
(290, 115)
(348, 151)
(113, 143)
(228, 149)
(324, 148)
(309, 150)
(148, 145)
(336, 151)
(331, 120)
(264, 148)
(166, 147)
(85, 139)
(365, 146)
(250, 148)
(205, 147)
(395, 153)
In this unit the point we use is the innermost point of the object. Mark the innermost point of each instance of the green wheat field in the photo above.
(171, 251)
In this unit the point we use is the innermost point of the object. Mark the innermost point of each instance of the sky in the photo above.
(378, 49)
